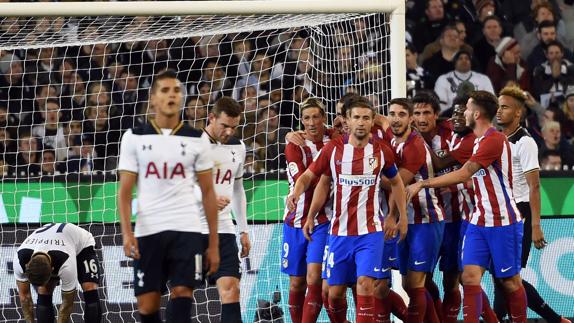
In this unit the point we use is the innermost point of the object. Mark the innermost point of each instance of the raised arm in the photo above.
(25, 296)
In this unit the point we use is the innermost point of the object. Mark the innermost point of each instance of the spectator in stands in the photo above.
(28, 159)
(568, 109)
(269, 141)
(214, 75)
(526, 32)
(74, 96)
(126, 93)
(106, 137)
(43, 93)
(431, 26)
(48, 163)
(550, 160)
(435, 46)
(7, 152)
(8, 121)
(51, 129)
(98, 94)
(240, 59)
(93, 62)
(552, 136)
(491, 37)
(155, 58)
(552, 78)
(4, 167)
(196, 112)
(83, 157)
(507, 66)
(442, 62)
(14, 89)
(546, 34)
(72, 129)
(461, 81)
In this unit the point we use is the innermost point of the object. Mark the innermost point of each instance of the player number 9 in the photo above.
(285, 250)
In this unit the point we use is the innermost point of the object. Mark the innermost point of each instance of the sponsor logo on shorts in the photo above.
(357, 180)
(419, 262)
(505, 269)
(140, 274)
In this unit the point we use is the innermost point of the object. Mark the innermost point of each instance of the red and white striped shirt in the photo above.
(460, 148)
(298, 159)
(455, 199)
(356, 175)
(495, 205)
(414, 156)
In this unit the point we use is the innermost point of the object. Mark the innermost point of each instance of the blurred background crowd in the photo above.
(63, 109)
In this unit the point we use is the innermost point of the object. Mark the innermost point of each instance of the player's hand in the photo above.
(292, 201)
(538, 237)
(212, 260)
(308, 229)
(245, 244)
(402, 227)
(222, 202)
(413, 190)
(296, 137)
(131, 248)
(338, 124)
(390, 227)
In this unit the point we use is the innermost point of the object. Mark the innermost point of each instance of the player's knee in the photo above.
(297, 284)
(381, 288)
(313, 278)
(229, 293)
(180, 291)
(93, 311)
(511, 284)
(365, 285)
(471, 277)
(148, 303)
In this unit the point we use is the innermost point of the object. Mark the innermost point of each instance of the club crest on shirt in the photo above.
(144, 147)
(183, 145)
(479, 173)
(373, 163)
(285, 263)
(293, 169)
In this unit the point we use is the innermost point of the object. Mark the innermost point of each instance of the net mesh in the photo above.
(69, 88)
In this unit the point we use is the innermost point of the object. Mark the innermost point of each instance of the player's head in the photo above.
(166, 95)
(510, 106)
(39, 269)
(312, 113)
(458, 120)
(341, 110)
(224, 118)
(360, 116)
(481, 107)
(400, 115)
(426, 110)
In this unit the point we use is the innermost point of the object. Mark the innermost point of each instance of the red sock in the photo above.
(417, 305)
(338, 309)
(365, 309)
(296, 301)
(472, 303)
(398, 306)
(431, 315)
(313, 304)
(451, 306)
(383, 310)
(517, 307)
(487, 314)
(436, 301)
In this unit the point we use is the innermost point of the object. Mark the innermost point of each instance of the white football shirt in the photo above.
(63, 242)
(228, 160)
(166, 164)
(524, 160)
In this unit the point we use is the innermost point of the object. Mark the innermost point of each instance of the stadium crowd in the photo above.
(64, 109)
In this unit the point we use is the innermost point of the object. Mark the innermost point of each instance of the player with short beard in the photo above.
(418, 254)
(494, 235)
(355, 164)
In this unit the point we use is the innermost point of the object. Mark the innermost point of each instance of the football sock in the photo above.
(538, 305)
(45, 309)
(296, 301)
(93, 311)
(398, 306)
(338, 308)
(451, 305)
(431, 315)
(472, 303)
(517, 306)
(487, 314)
(180, 310)
(313, 303)
(383, 310)
(365, 309)
(231, 313)
(499, 300)
(417, 305)
(151, 318)
(432, 288)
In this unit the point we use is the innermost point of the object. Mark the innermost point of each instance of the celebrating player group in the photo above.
(370, 195)
(410, 192)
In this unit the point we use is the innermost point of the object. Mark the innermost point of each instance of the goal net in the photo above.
(70, 86)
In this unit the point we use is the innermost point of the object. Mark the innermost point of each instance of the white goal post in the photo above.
(396, 8)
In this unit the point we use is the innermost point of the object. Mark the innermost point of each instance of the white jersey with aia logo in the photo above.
(166, 162)
(228, 161)
(63, 242)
